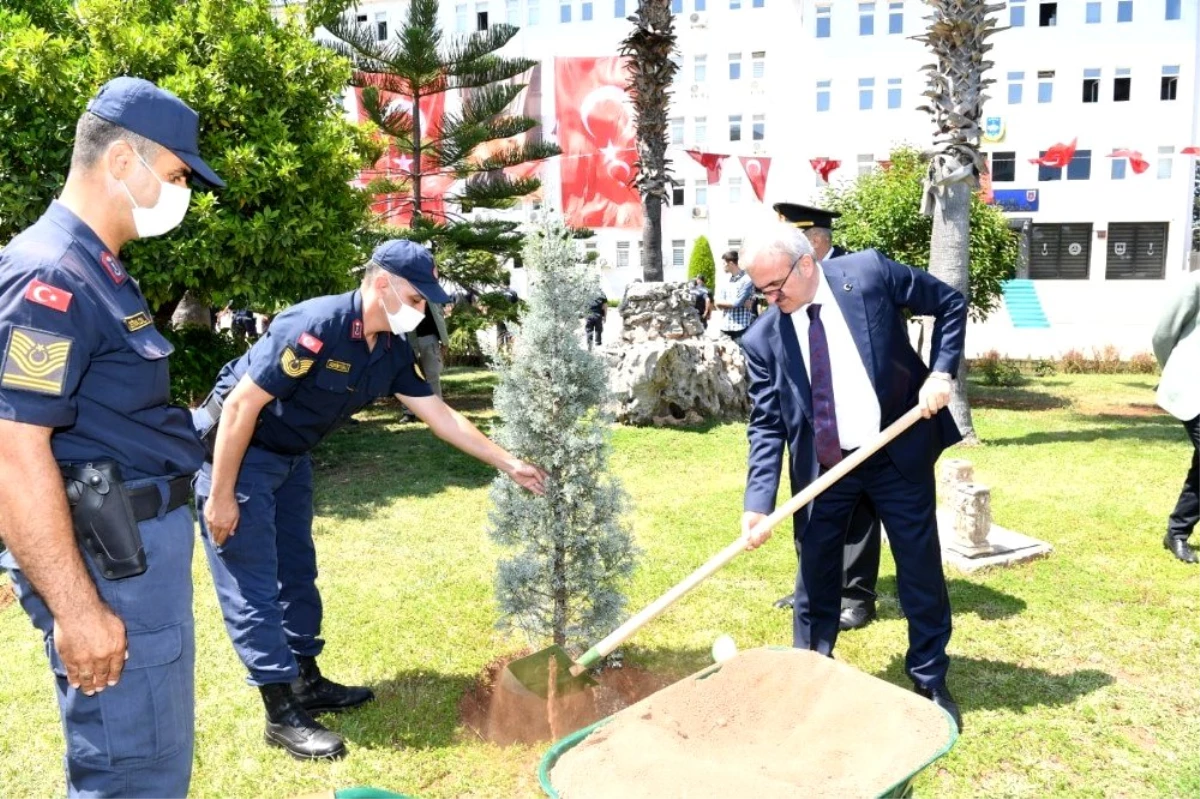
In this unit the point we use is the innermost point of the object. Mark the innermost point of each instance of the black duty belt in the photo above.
(146, 500)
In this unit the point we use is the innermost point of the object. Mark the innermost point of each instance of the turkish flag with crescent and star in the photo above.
(1136, 162)
(1057, 155)
(50, 296)
(528, 103)
(756, 171)
(596, 134)
(711, 163)
(396, 209)
(824, 166)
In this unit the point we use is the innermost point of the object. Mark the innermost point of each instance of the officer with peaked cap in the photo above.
(321, 361)
(91, 449)
(860, 559)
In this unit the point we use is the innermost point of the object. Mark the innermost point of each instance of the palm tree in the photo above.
(957, 36)
(649, 47)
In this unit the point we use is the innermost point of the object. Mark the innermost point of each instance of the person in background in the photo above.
(594, 326)
(736, 300)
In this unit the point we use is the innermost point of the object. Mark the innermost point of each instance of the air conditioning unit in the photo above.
(699, 212)
(758, 148)
(698, 20)
(756, 87)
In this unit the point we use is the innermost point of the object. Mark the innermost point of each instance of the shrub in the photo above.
(702, 263)
(1074, 362)
(1107, 360)
(1044, 368)
(1143, 363)
(995, 371)
(199, 355)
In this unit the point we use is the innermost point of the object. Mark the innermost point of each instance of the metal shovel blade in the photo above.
(532, 672)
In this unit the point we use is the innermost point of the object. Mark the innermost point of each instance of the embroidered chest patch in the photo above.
(338, 366)
(135, 322)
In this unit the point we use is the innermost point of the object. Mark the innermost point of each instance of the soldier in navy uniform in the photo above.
(321, 361)
(860, 564)
(89, 440)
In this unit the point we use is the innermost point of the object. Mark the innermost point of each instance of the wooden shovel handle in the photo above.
(810, 492)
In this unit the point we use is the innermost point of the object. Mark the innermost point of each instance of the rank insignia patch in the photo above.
(111, 265)
(137, 321)
(356, 329)
(338, 366)
(292, 365)
(35, 361)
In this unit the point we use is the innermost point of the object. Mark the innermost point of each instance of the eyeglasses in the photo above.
(776, 287)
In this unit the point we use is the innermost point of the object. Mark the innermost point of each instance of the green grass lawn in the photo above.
(1076, 673)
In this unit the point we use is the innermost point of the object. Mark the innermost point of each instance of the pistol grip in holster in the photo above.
(105, 525)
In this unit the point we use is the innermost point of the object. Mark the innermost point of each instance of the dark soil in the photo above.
(500, 711)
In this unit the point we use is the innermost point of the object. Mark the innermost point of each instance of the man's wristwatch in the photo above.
(943, 376)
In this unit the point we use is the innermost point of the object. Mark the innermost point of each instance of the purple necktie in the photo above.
(829, 445)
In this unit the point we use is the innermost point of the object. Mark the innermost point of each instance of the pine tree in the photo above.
(419, 61)
(572, 549)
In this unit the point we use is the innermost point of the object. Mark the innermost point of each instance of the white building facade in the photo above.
(793, 81)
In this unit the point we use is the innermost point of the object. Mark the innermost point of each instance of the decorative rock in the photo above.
(955, 471)
(972, 519)
(663, 371)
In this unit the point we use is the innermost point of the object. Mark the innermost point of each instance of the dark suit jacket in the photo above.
(871, 290)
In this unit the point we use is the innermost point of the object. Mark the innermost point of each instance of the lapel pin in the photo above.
(848, 287)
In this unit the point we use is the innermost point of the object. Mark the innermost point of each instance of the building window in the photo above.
(895, 17)
(677, 246)
(1004, 167)
(1048, 15)
(866, 19)
(460, 18)
(735, 127)
(512, 12)
(619, 9)
(481, 20)
(1046, 86)
(1060, 252)
(701, 129)
(585, 11)
(1015, 84)
(1122, 86)
(701, 192)
(893, 92)
(1016, 13)
(734, 244)
(677, 195)
(381, 31)
(1173, 8)
(1091, 85)
(735, 190)
(622, 254)
(758, 127)
(1046, 173)
(677, 60)
(1169, 87)
(1093, 14)
(758, 64)
(735, 66)
(823, 95)
(823, 22)
(564, 12)
(1124, 10)
(866, 94)
(866, 163)
(700, 68)
(676, 124)
(735, 5)
(1136, 251)
(1080, 167)
(1165, 157)
(701, 5)
(758, 3)
(1118, 167)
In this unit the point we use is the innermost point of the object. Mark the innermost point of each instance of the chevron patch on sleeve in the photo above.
(35, 361)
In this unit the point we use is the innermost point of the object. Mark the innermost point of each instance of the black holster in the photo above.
(105, 525)
(211, 406)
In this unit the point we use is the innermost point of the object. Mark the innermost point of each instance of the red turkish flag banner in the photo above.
(1058, 155)
(1136, 162)
(824, 167)
(596, 134)
(397, 209)
(1190, 150)
(529, 104)
(756, 170)
(711, 162)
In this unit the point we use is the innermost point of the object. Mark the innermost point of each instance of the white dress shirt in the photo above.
(855, 403)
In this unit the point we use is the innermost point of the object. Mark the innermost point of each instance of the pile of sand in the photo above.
(770, 723)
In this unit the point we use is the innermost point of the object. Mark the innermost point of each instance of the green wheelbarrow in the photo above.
(854, 735)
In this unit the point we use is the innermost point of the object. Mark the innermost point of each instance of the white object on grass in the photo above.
(724, 649)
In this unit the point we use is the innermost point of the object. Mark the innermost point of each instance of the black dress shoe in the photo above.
(1180, 549)
(786, 602)
(856, 618)
(941, 697)
(290, 727)
(319, 695)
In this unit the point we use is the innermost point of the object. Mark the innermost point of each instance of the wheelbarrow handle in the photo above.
(795, 503)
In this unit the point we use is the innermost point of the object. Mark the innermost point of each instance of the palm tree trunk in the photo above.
(949, 261)
(652, 258)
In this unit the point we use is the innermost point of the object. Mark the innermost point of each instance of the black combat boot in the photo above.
(290, 727)
(319, 695)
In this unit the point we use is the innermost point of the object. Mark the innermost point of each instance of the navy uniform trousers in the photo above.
(265, 574)
(134, 739)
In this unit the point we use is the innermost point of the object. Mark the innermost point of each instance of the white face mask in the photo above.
(166, 214)
(406, 319)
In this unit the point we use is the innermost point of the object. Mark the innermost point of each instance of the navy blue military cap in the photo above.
(142, 108)
(414, 263)
(805, 216)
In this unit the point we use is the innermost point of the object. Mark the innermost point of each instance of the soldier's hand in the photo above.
(749, 520)
(529, 477)
(92, 648)
(221, 516)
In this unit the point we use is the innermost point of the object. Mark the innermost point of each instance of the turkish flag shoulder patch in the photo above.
(50, 296)
(311, 343)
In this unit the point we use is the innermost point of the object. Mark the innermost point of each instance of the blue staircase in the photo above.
(1024, 308)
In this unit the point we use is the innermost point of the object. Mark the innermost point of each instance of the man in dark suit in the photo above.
(829, 365)
(860, 560)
